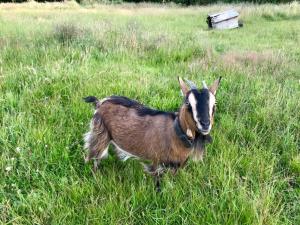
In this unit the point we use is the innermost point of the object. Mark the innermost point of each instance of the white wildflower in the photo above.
(8, 168)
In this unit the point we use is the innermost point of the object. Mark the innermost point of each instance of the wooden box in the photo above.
(223, 20)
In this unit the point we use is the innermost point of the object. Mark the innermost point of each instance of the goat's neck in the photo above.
(187, 128)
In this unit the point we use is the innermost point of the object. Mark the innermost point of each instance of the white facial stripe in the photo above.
(212, 101)
(193, 103)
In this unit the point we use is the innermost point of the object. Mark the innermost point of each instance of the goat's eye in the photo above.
(188, 105)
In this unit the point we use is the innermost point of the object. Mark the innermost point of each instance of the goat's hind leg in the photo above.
(96, 141)
(101, 155)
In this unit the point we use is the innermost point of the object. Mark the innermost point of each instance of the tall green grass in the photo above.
(53, 55)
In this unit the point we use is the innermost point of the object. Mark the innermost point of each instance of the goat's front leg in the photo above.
(157, 172)
(157, 180)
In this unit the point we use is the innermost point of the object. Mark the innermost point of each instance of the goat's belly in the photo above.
(153, 153)
(122, 153)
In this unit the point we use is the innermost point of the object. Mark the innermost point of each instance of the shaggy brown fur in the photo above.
(138, 135)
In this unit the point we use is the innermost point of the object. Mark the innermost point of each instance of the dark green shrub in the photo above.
(66, 33)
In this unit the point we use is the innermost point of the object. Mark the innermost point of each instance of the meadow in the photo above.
(52, 55)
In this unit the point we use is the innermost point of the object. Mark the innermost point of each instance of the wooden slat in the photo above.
(225, 16)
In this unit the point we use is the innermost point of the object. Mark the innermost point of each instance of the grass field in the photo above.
(52, 55)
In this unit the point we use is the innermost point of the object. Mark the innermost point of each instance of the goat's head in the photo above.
(200, 103)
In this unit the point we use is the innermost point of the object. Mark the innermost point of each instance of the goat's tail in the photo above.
(91, 99)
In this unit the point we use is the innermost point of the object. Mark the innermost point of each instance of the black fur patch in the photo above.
(172, 165)
(141, 109)
(205, 139)
(90, 99)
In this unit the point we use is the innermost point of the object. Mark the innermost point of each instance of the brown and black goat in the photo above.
(165, 140)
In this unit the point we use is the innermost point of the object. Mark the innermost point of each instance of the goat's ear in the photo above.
(183, 86)
(214, 87)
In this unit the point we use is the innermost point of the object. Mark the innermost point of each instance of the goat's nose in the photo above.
(205, 124)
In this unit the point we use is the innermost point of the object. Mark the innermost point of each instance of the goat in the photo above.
(165, 140)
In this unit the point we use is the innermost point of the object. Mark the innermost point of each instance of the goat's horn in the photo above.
(204, 84)
(191, 84)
